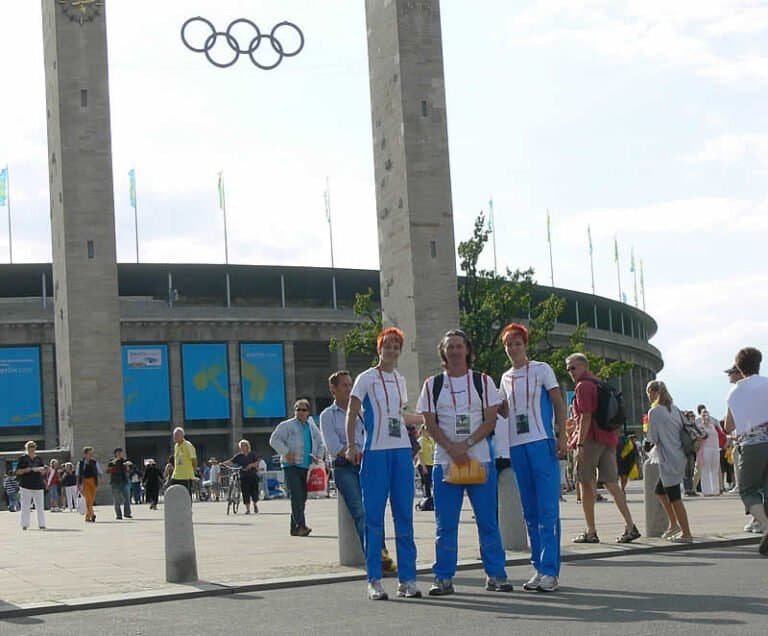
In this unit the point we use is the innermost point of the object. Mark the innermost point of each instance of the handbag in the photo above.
(80, 503)
(469, 473)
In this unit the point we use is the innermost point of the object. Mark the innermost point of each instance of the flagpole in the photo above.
(327, 198)
(634, 275)
(618, 267)
(642, 283)
(223, 205)
(551, 262)
(8, 203)
(134, 201)
(591, 259)
(493, 233)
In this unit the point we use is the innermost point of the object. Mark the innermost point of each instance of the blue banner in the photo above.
(206, 381)
(263, 380)
(20, 389)
(146, 388)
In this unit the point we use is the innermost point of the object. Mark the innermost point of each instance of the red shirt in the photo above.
(585, 401)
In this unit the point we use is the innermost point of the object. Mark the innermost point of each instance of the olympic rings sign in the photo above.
(236, 48)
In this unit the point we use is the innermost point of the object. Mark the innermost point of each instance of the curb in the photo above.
(206, 589)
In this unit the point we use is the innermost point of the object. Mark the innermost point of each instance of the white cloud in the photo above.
(734, 147)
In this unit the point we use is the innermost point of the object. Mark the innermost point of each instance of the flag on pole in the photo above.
(589, 236)
(222, 201)
(642, 283)
(615, 250)
(549, 228)
(632, 261)
(327, 200)
(624, 297)
(132, 187)
(4, 186)
(490, 215)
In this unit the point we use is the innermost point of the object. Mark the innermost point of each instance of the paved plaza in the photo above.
(72, 560)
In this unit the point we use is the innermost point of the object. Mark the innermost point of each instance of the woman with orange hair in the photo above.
(387, 469)
(536, 416)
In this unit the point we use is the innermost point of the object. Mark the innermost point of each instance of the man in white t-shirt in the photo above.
(748, 416)
(459, 408)
(536, 415)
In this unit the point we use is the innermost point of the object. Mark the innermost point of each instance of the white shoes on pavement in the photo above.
(376, 591)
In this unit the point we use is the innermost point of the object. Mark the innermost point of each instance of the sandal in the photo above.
(629, 536)
(587, 537)
(668, 534)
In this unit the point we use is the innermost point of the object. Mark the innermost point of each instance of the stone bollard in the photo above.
(350, 550)
(656, 521)
(180, 555)
(514, 532)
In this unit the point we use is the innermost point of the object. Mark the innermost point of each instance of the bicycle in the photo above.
(233, 490)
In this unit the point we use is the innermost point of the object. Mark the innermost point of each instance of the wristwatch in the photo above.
(470, 442)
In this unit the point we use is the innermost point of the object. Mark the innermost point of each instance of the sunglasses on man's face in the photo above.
(570, 368)
(298, 408)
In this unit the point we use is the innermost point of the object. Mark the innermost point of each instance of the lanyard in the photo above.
(386, 393)
(527, 394)
(453, 396)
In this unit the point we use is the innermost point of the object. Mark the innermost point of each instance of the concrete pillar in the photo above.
(180, 554)
(341, 359)
(350, 550)
(514, 532)
(289, 360)
(48, 371)
(86, 309)
(177, 395)
(235, 395)
(656, 521)
(413, 183)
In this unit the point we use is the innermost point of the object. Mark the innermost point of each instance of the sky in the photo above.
(644, 119)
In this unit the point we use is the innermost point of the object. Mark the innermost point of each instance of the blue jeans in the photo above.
(448, 500)
(347, 480)
(121, 495)
(538, 478)
(13, 501)
(388, 474)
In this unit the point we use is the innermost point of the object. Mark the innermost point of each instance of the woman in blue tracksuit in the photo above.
(459, 408)
(387, 467)
(536, 415)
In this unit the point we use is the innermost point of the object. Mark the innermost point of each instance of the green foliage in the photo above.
(362, 337)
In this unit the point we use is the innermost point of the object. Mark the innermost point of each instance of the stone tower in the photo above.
(413, 183)
(87, 317)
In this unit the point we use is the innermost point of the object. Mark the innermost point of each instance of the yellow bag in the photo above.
(473, 472)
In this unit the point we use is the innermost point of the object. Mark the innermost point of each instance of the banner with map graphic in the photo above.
(146, 387)
(262, 378)
(205, 381)
(20, 387)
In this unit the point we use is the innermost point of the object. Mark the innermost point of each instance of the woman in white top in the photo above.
(708, 455)
(748, 416)
(664, 425)
(386, 471)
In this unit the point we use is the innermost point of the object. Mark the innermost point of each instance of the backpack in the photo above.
(609, 414)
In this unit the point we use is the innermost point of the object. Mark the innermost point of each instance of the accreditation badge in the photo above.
(393, 423)
(521, 422)
(462, 425)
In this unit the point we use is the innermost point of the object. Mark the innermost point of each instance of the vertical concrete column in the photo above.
(514, 532)
(48, 370)
(341, 359)
(86, 309)
(350, 550)
(289, 360)
(235, 395)
(180, 553)
(177, 395)
(413, 182)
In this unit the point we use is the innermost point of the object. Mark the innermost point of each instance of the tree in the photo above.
(362, 337)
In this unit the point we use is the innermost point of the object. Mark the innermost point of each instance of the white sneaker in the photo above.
(408, 589)
(376, 591)
(532, 584)
(548, 583)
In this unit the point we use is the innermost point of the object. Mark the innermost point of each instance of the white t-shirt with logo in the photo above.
(383, 405)
(526, 391)
(748, 403)
(460, 411)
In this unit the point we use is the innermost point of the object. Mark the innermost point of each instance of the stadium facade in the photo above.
(224, 373)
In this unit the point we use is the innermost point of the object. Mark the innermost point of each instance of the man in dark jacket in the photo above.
(118, 480)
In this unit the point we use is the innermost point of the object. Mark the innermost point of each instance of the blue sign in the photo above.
(263, 380)
(206, 381)
(146, 389)
(20, 390)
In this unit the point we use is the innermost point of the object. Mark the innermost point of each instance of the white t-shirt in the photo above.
(459, 411)
(501, 438)
(526, 390)
(383, 404)
(748, 403)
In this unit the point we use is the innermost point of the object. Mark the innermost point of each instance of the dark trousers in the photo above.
(296, 481)
(690, 466)
(425, 472)
(151, 493)
(249, 487)
(121, 496)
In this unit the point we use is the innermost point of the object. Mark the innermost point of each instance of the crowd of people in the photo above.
(463, 431)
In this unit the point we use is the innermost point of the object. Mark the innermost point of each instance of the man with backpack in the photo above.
(599, 412)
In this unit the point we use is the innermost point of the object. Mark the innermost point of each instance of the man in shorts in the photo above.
(596, 453)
